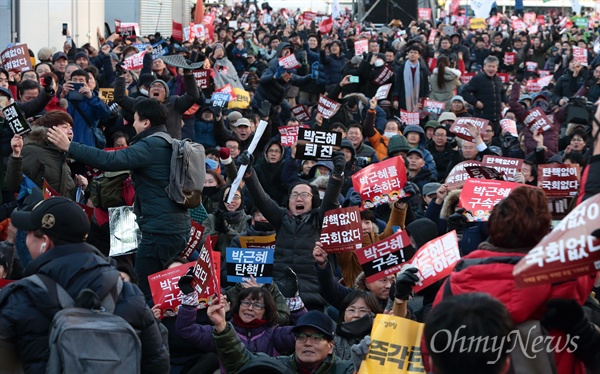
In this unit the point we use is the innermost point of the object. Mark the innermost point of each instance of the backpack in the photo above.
(106, 190)
(87, 340)
(188, 171)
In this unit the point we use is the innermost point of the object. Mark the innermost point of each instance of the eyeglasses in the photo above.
(577, 140)
(233, 147)
(254, 305)
(360, 312)
(303, 195)
(276, 151)
(443, 135)
(315, 338)
(235, 198)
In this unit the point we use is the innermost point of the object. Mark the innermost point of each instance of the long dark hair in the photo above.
(442, 63)
(256, 293)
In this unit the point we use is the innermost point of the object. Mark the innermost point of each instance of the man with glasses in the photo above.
(442, 151)
(314, 333)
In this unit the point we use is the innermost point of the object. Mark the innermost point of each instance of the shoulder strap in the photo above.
(82, 114)
(54, 289)
(163, 135)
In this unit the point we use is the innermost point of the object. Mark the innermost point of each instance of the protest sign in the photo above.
(165, 290)
(536, 85)
(395, 346)
(16, 58)
(466, 77)
(383, 91)
(159, 49)
(432, 36)
(409, 118)
(341, 230)
(267, 241)
(509, 166)
(289, 134)
(504, 77)
(195, 240)
(228, 89)
(458, 175)
(483, 172)
(435, 260)
(16, 119)
(385, 257)
(432, 106)
(581, 22)
(107, 95)
(533, 29)
(361, 46)
(245, 262)
(477, 23)
(177, 31)
(384, 75)
(206, 276)
(518, 25)
(559, 180)
(568, 252)
(307, 18)
(327, 107)
(301, 113)
(202, 76)
(326, 25)
(424, 14)
(125, 235)
(529, 18)
(241, 101)
(509, 126)
(135, 62)
(581, 55)
(543, 73)
(316, 144)
(479, 196)
(289, 62)
(531, 66)
(220, 99)
(459, 127)
(381, 182)
(509, 58)
(536, 121)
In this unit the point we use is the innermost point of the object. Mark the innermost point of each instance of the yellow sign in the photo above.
(395, 347)
(242, 101)
(107, 95)
(258, 241)
(477, 23)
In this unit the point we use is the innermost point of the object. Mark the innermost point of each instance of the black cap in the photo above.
(318, 321)
(57, 217)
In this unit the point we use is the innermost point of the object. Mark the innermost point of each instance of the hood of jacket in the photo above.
(361, 99)
(282, 46)
(450, 203)
(37, 136)
(422, 230)
(270, 143)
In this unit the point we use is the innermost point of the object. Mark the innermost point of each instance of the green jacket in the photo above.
(234, 355)
(149, 159)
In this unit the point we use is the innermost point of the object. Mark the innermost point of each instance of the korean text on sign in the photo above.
(327, 107)
(16, 120)
(384, 257)
(202, 76)
(134, 62)
(165, 291)
(381, 182)
(509, 166)
(459, 127)
(481, 195)
(316, 144)
(458, 175)
(289, 134)
(409, 118)
(559, 180)
(195, 240)
(436, 259)
(16, 58)
(341, 230)
(206, 281)
(244, 262)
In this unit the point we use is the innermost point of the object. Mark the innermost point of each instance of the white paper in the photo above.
(125, 235)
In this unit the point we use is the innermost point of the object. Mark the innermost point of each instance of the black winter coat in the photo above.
(490, 92)
(26, 311)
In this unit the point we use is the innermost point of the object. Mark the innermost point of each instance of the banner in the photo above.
(458, 175)
(384, 75)
(165, 290)
(245, 262)
(531, 66)
(536, 85)
(228, 89)
(241, 101)
(196, 233)
(135, 62)
(206, 272)
(326, 25)
(477, 23)
(509, 126)
(424, 14)
(383, 91)
(361, 46)
(16, 58)
(341, 230)
(125, 235)
(327, 107)
(385, 257)
(289, 62)
(459, 127)
(559, 180)
(267, 241)
(568, 252)
(202, 77)
(483, 172)
(289, 134)
(177, 31)
(301, 113)
(16, 119)
(479, 196)
(581, 55)
(220, 99)
(307, 18)
(435, 107)
(529, 18)
(381, 182)
(536, 121)
(436, 260)
(409, 118)
(509, 166)
(316, 144)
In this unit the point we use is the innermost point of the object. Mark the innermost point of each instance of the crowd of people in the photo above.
(317, 315)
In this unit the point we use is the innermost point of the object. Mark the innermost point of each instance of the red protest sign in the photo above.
(227, 89)
(504, 77)
(202, 78)
(568, 252)
(559, 180)
(481, 195)
(459, 127)
(381, 182)
(177, 31)
(509, 166)
(432, 36)
(165, 290)
(543, 73)
(289, 134)
(458, 175)
(135, 62)
(326, 25)
(509, 126)
(327, 107)
(289, 62)
(384, 75)
(361, 46)
(581, 55)
(341, 230)
(409, 118)
(383, 91)
(466, 77)
(483, 172)
(518, 25)
(531, 66)
(48, 191)
(16, 58)
(195, 239)
(529, 18)
(385, 257)
(510, 58)
(307, 18)
(436, 260)
(432, 106)
(424, 13)
(301, 113)
(536, 120)
(206, 275)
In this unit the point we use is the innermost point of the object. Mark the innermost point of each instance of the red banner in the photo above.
(483, 172)
(307, 18)
(384, 75)
(510, 58)
(424, 14)
(383, 91)
(459, 127)
(381, 182)
(568, 252)
(559, 180)
(135, 62)
(165, 290)
(531, 66)
(326, 25)
(581, 55)
(301, 113)
(385, 257)
(195, 240)
(479, 196)
(228, 89)
(436, 260)
(327, 107)
(16, 58)
(509, 126)
(458, 175)
(341, 230)
(537, 121)
(432, 106)
(202, 78)
(289, 134)
(207, 273)
(177, 31)
(289, 62)
(361, 46)
(409, 118)
(509, 166)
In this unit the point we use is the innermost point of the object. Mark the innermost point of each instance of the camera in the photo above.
(580, 110)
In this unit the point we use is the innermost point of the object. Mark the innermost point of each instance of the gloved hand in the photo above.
(458, 221)
(279, 72)
(339, 163)
(289, 286)
(221, 224)
(185, 282)
(405, 283)
(409, 191)
(359, 352)
(47, 83)
(245, 158)
(120, 68)
(265, 109)
(314, 70)
(224, 153)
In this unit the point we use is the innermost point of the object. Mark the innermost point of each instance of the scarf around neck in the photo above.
(411, 86)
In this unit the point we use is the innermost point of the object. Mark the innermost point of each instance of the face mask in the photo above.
(144, 91)
(360, 327)
(263, 226)
(210, 191)
(378, 63)
(389, 134)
